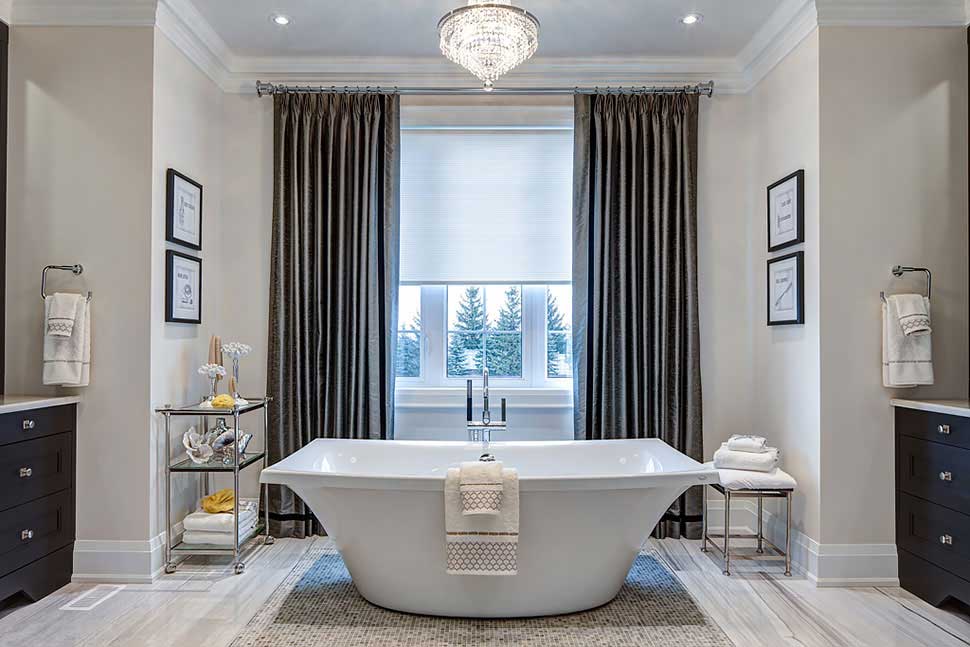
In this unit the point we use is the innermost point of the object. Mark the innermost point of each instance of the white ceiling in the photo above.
(408, 28)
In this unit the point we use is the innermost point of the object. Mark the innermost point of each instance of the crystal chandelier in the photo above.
(488, 37)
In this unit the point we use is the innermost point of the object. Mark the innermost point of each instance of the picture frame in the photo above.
(183, 210)
(183, 288)
(786, 289)
(786, 212)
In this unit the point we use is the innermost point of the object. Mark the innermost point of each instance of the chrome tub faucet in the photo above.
(481, 430)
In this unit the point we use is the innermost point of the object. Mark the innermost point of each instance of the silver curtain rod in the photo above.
(264, 89)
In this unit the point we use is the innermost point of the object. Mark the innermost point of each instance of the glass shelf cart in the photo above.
(239, 463)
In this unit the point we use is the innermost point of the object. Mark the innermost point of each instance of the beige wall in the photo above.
(894, 191)
(725, 148)
(80, 160)
(187, 136)
(785, 388)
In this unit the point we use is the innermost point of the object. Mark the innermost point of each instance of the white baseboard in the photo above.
(827, 565)
(120, 561)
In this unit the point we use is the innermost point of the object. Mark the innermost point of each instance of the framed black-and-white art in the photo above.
(183, 215)
(183, 288)
(786, 289)
(786, 217)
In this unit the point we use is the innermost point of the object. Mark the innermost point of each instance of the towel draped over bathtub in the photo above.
(480, 486)
(484, 544)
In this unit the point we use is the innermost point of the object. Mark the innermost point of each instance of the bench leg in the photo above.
(704, 521)
(761, 536)
(727, 532)
(788, 535)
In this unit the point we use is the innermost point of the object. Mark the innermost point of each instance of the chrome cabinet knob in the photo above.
(944, 429)
(26, 534)
(946, 540)
(946, 476)
(26, 472)
(29, 424)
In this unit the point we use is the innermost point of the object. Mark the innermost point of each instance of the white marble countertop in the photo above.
(952, 407)
(13, 403)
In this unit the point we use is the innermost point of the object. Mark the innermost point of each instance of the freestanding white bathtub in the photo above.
(586, 508)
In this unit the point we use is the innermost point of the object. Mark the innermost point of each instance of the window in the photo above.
(409, 339)
(484, 329)
(486, 243)
(559, 345)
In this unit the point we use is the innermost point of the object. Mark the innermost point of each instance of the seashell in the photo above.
(195, 446)
(224, 439)
(244, 443)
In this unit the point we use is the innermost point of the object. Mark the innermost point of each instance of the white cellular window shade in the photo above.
(486, 206)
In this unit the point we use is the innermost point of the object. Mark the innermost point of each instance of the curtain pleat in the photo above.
(636, 347)
(333, 306)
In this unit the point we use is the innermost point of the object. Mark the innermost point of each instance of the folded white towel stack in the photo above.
(480, 484)
(753, 444)
(67, 358)
(764, 461)
(912, 311)
(776, 479)
(215, 529)
(907, 360)
(482, 544)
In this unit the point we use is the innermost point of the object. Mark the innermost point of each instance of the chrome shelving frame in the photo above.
(238, 464)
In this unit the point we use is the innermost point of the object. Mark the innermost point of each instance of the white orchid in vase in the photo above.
(213, 372)
(236, 350)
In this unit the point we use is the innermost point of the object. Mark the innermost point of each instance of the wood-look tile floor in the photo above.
(205, 605)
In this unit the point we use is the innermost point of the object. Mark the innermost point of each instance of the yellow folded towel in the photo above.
(221, 501)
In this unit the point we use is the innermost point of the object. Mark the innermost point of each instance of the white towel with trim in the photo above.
(765, 461)
(67, 360)
(480, 485)
(907, 361)
(752, 444)
(482, 544)
(912, 311)
(62, 314)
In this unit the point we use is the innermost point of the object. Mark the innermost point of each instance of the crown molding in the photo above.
(83, 13)
(784, 30)
(893, 13)
(181, 22)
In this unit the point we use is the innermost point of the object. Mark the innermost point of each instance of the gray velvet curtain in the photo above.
(635, 324)
(333, 290)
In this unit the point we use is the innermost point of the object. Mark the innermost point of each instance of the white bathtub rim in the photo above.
(698, 475)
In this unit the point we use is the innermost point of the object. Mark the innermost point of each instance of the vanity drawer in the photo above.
(30, 531)
(36, 423)
(934, 472)
(938, 427)
(937, 534)
(35, 468)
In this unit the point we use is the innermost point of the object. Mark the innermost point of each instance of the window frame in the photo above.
(434, 351)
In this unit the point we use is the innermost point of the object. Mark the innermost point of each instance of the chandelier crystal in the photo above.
(488, 37)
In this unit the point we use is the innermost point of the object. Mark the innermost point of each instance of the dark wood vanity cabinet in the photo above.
(933, 504)
(37, 500)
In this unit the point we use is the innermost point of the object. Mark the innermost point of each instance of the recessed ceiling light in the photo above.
(692, 19)
(280, 19)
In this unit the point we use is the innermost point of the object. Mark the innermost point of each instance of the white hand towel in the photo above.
(61, 314)
(913, 313)
(907, 361)
(482, 544)
(752, 444)
(216, 538)
(67, 360)
(480, 485)
(766, 461)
